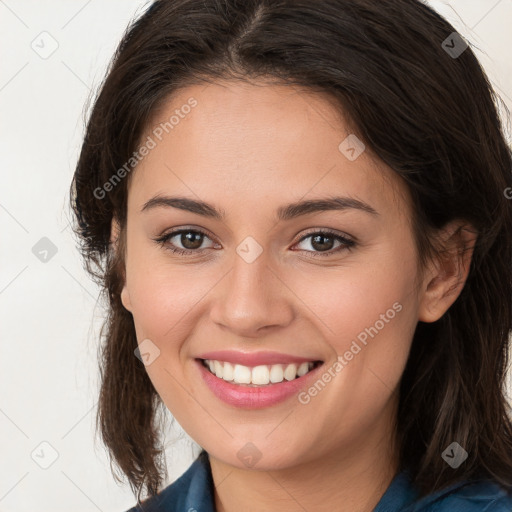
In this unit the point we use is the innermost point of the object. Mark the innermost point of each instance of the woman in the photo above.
(298, 212)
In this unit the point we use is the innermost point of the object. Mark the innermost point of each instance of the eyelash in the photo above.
(347, 244)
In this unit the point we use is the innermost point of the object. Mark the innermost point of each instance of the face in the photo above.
(330, 285)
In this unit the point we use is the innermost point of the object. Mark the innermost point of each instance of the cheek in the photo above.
(162, 300)
(349, 299)
(162, 293)
(367, 314)
(368, 320)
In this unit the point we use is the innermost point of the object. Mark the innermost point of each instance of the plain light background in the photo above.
(49, 313)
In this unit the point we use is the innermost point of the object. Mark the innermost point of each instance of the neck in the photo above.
(352, 478)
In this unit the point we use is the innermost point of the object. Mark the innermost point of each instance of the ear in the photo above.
(446, 277)
(115, 230)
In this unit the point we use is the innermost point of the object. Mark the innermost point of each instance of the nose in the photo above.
(252, 298)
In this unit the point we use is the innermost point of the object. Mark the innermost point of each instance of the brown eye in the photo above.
(322, 243)
(190, 239)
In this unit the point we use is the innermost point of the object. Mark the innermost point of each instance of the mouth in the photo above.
(258, 376)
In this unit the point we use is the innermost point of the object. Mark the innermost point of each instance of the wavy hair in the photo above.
(429, 115)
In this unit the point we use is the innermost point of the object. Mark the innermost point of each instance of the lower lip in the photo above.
(254, 397)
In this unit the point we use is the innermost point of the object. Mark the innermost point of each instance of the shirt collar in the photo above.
(194, 492)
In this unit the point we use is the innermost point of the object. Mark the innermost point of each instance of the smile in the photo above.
(261, 375)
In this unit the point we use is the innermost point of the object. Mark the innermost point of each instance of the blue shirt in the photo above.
(193, 492)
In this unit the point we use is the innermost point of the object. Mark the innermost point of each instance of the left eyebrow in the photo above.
(294, 210)
(284, 213)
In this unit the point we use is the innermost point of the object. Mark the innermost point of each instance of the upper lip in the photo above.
(254, 358)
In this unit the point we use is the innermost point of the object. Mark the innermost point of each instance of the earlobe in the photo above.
(125, 299)
(447, 276)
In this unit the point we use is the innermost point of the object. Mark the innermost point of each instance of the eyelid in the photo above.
(178, 230)
(165, 236)
(347, 243)
(327, 231)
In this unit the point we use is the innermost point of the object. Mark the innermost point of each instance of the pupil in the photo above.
(188, 238)
(317, 238)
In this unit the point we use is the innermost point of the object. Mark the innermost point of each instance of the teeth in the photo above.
(228, 371)
(258, 375)
(241, 374)
(219, 369)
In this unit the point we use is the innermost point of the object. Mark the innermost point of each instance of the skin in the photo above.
(248, 149)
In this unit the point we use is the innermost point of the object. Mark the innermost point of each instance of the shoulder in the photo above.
(480, 496)
(463, 496)
(191, 491)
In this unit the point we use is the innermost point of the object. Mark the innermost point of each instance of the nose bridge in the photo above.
(251, 296)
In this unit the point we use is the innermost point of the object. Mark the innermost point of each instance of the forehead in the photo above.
(241, 141)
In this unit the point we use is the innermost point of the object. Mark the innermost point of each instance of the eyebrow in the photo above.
(284, 213)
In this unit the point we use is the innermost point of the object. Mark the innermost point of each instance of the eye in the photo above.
(322, 242)
(191, 239)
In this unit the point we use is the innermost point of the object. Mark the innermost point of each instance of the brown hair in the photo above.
(431, 116)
